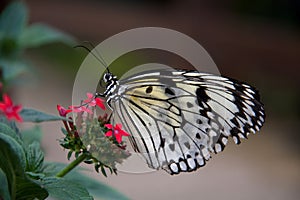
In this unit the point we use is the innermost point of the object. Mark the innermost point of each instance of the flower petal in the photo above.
(17, 108)
(89, 95)
(124, 133)
(18, 117)
(7, 100)
(119, 126)
(109, 126)
(118, 138)
(62, 111)
(108, 133)
(90, 99)
(2, 106)
(99, 103)
(78, 109)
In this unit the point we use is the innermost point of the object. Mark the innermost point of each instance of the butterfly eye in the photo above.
(107, 77)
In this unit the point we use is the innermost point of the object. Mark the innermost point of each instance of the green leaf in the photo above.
(4, 189)
(60, 188)
(12, 69)
(12, 163)
(64, 131)
(11, 124)
(12, 160)
(31, 135)
(103, 171)
(5, 129)
(40, 34)
(69, 154)
(35, 176)
(34, 157)
(95, 187)
(9, 48)
(12, 156)
(27, 189)
(13, 20)
(51, 169)
(32, 115)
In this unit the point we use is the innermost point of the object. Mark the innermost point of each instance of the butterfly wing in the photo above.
(176, 118)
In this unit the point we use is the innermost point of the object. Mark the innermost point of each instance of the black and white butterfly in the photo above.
(177, 118)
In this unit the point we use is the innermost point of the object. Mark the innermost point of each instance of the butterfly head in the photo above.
(111, 83)
(108, 77)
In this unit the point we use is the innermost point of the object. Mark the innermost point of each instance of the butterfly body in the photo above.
(176, 118)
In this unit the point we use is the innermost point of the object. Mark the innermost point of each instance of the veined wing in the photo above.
(176, 118)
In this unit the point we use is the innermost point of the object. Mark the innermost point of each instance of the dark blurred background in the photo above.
(256, 41)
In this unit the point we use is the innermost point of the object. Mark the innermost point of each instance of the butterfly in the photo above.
(177, 118)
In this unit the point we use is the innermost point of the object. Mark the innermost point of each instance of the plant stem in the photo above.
(72, 165)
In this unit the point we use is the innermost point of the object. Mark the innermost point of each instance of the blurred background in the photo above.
(256, 41)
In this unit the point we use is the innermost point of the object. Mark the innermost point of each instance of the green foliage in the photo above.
(31, 135)
(23, 172)
(12, 164)
(27, 189)
(24, 175)
(13, 20)
(65, 189)
(38, 34)
(4, 189)
(4, 128)
(95, 187)
(12, 157)
(34, 158)
(32, 115)
(16, 35)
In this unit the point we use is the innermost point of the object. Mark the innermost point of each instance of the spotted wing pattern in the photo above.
(177, 118)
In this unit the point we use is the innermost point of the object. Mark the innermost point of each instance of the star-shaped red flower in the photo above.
(92, 101)
(116, 131)
(9, 109)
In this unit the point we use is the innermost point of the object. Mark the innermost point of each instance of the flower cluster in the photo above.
(92, 134)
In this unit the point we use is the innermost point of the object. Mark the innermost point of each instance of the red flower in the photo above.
(62, 111)
(10, 110)
(92, 101)
(77, 109)
(116, 131)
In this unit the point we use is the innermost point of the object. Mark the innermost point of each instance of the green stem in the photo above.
(72, 165)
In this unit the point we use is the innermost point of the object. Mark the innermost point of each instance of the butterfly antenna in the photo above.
(90, 51)
(98, 53)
